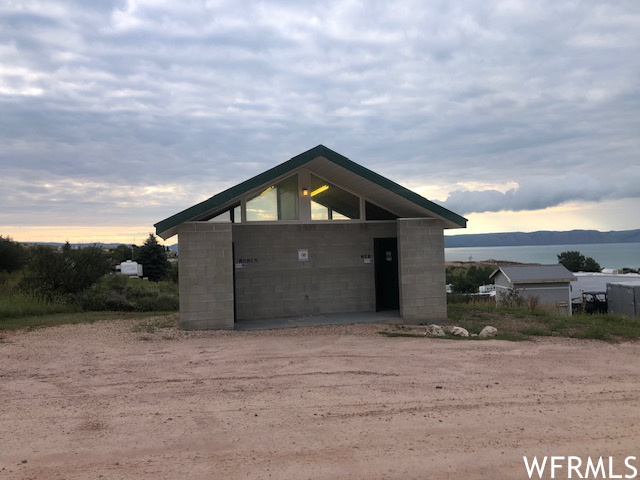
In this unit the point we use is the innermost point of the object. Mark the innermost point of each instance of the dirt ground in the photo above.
(122, 401)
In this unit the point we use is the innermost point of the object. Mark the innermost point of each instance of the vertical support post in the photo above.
(421, 270)
(206, 276)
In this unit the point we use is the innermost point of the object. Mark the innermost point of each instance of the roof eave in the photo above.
(168, 227)
(544, 280)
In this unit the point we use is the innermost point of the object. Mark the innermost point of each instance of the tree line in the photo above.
(67, 270)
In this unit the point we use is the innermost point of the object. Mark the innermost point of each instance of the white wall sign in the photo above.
(303, 255)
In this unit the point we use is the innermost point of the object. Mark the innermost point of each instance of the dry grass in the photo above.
(521, 323)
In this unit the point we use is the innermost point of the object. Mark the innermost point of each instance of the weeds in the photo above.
(513, 298)
(535, 331)
(52, 320)
(21, 304)
(522, 323)
(154, 324)
(393, 334)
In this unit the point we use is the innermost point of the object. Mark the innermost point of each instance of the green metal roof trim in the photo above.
(298, 161)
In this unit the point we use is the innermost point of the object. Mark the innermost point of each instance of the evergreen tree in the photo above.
(590, 265)
(571, 260)
(576, 262)
(153, 258)
(467, 280)
(122, 253)
(13, 256)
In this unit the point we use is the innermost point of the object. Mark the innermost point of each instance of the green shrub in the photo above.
(51, 272)
(13, 255)
(118, 302)
(122, 294)
(162, 303)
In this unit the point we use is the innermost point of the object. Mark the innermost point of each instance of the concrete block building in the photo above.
(317, 234)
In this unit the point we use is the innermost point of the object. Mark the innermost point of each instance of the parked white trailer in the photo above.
(131, 269)
(588, 282)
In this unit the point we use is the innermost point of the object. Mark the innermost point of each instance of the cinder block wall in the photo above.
(423, 295)
(206, 276)
(335, 279)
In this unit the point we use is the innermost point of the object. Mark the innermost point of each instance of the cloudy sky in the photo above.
(519, 115)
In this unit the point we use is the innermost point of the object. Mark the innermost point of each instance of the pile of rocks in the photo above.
(434, 330)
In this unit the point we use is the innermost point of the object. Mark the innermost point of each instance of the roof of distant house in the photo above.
(535, 273)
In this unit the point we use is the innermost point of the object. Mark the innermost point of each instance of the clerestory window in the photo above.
(329, 202)
(276, 202)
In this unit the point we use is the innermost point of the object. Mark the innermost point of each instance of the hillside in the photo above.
(512, 239)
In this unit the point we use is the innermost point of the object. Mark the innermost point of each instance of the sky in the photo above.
(518, 115)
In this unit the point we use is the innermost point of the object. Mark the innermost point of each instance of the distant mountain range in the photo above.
(507, 239)
(514, 239)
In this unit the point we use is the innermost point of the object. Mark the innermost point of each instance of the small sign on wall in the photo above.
(248, 260)
(243, 262)
(303, 255)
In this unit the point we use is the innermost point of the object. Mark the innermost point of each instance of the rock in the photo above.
(474, 334)
(488, 331)
(459, 332)
(448, 328)
(435, 330)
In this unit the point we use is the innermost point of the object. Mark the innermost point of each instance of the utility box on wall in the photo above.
(623, 299)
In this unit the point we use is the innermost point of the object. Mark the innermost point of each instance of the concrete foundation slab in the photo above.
(391, 316)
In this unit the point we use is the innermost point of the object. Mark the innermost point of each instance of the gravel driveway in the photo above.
(128, 400)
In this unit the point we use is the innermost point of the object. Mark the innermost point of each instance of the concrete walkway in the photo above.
(389, 316)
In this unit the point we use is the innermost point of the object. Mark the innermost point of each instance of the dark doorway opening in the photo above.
(385, 252)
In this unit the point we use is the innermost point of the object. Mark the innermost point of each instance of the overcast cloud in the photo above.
(125, 112)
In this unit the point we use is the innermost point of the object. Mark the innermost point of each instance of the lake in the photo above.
(608, 255)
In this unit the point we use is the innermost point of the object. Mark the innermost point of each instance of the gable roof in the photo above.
(321, 160)
(535, 273)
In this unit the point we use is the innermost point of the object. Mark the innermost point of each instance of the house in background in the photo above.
(317, 234)
(550, 283)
